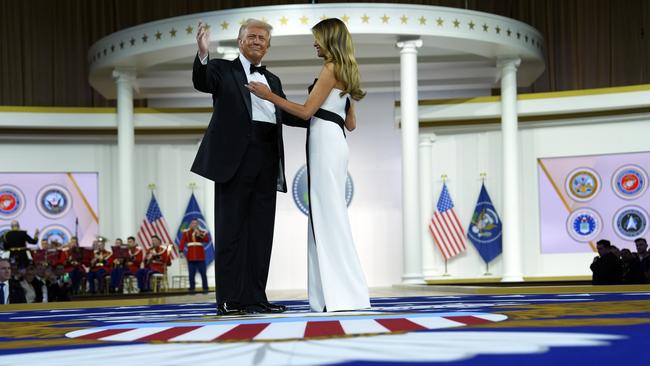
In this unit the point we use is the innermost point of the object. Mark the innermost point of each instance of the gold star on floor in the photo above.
(440, 22)
(404, 19)
(172, 33)
(189, 29)
(485, 27)
(471, 25)
(158, 35)
(304, 20)
(345, 18)
(385, 19)
(423, 20)
(224, 25)
(365, 18)
(284, 20)
(498, 29)
(456, 23)
(144, 38)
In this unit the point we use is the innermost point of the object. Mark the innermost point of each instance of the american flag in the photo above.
(154, 224)
(446, 228)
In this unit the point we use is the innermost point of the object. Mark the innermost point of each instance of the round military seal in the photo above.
(631, 222)
(53, 201)
(56, 233)
(630, 182)
(12, 201)
(583, 184)
(584, 225)
(301, 190)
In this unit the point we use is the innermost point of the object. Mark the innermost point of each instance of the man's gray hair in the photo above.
(250, 22)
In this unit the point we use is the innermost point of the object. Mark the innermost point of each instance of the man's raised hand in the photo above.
(203, 40)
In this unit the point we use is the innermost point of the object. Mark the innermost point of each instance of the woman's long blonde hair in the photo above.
(333, 38)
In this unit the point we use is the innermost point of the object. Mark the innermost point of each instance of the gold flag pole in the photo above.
(444, 181)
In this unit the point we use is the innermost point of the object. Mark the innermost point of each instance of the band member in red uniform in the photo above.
(156, 261)
(73, 263)
(132, 263)
(194, 238)
(99, 266)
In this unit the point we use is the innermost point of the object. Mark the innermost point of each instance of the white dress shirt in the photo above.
(263, 110)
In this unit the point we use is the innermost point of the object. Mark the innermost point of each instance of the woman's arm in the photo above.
(351, 118)
(315, 100)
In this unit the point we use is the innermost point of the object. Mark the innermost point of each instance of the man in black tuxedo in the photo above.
(15, 241)
(11, 292)
(242, 152)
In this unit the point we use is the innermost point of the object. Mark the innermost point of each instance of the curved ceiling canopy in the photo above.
(460, 48)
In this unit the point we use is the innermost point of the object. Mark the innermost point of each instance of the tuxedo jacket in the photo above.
(16, 292)
(229, 132)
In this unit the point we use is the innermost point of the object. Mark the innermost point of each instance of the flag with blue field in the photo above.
(485, 229)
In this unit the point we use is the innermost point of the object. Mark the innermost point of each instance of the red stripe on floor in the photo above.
(103, 333)
(468, 320)
(243, 331)
(324, 329)
(400, 325)
(167, 334)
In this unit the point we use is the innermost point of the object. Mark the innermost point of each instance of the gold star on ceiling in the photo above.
(345, 18)
(423, 20)
(304, 20)
(158, 35)
(404, 19)
(498, 29)
(365, 18)
(189, 29)
(112, 48)
(526, 38)
(518, 35)
(121, 44)
(284, 20)
(456, 23)
(485, 27)
(172, 33)
(509, 32)
(132, 41)
(241, 22)
(385, 19)
(323, 17)
(144, 38)
(471, 25)
(207, 26)
(224, 25)
(104, 51)
(440, 22)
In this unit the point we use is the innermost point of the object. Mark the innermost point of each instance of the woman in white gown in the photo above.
(336, 279)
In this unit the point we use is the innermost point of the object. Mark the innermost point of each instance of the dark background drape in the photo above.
(43, 43)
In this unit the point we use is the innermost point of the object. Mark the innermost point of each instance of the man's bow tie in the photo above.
(260, 69)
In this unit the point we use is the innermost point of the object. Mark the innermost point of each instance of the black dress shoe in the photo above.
(229, 308)
(272, 308)
(253, 309)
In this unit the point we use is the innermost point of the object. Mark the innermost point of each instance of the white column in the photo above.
(125, 78)
(426, 206)
(411, 223)
(512, 261)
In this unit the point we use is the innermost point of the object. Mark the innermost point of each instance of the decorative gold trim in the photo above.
(139, 110)
(545, 95)
(110, 131)
(83, 198)
(559, 193)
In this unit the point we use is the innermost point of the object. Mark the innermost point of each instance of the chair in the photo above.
(158, 282)
(129, 284)
(183, 279)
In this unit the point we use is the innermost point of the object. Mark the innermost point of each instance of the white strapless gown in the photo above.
(336, 280)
